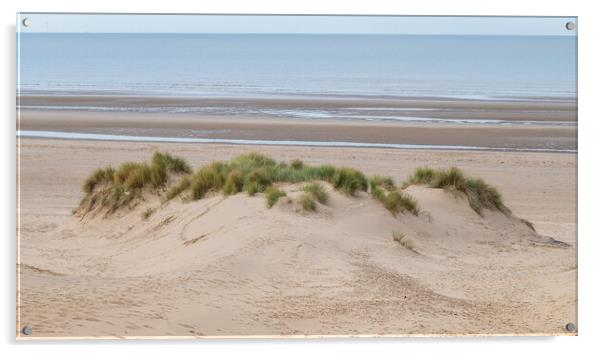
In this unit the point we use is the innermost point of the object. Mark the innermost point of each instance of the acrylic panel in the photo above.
(194, 176)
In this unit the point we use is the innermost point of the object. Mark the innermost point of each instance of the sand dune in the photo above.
(226, 266)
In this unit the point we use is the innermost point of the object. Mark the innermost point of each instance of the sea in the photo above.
(238, 65)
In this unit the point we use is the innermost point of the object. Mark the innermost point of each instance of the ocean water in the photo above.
(239, 65)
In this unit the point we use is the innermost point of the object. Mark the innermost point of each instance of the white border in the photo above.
(590, 123)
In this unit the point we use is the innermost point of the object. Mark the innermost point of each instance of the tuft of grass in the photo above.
(137, 176)
(449, 178)
(403, 240)
(384, 190)
(297, 164)
(384, 182)
(307, 202)
(252, 188)
(317, 191)
(164, 163)
(272, 194)
(209, 178)
(171, 163)
(262, 178)
(148, 212)
(99, 176)
(422, 175)
(349, 180)
(123, 172)
(178, 188)
(234, 182)
(480, 194)
(326, 172)
(286, 173)
(251, 161)
(158, 175)
(397, 202)
(114, 188)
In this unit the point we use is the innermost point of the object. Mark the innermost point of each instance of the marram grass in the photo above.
(396, 201)
(255, 173)
(172, 177)
(317, 192)
(272, 194)
(403, 240)
(308, 202)
(480, 194)
(115, 188)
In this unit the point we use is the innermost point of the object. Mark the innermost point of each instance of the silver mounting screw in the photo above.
(570, 25)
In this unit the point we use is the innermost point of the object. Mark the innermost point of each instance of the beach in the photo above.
(303, 275)
(207, 185)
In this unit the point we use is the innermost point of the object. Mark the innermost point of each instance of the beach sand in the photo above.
(501, 124)
(541, 109)
(231, 267)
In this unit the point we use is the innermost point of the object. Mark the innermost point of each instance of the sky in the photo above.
(145, 23)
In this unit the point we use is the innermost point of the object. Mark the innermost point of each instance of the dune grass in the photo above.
(255, 173)
(234, 182)
(384, 190)
(114, 188)
(422, 175)
(297, 164)
(272, 194)
(317, 191)
(349, 180)
(308, 202)
(403, 240)
(480, 194)
(313, 192)
(385, 182)
(251, 173)
(177, 189)
(397, 202)
(99, 176)
(171, 163)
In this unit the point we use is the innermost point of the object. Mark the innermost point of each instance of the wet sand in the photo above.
(268, 128)
(543, 109)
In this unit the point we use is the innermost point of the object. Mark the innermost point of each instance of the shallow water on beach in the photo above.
(369, 114)
(132, 138)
